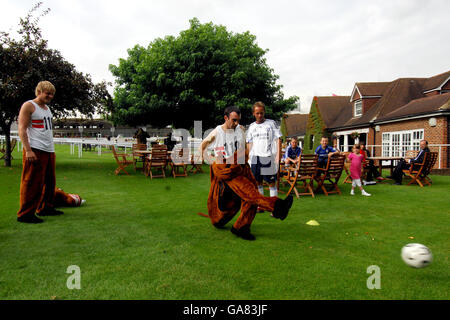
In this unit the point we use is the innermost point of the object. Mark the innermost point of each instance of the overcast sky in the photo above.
(319, 47)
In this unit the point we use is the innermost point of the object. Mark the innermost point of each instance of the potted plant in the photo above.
(355, 135)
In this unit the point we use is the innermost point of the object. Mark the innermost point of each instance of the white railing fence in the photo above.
(125, 143)
(400, 151)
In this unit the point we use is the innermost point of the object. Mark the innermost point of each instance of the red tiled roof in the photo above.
(399, 98)
(421, 106)
(397, 94)
(436, 81)
(371, 89)
(331, 107)
(296, 124)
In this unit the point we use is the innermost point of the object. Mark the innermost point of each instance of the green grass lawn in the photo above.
(138, 238)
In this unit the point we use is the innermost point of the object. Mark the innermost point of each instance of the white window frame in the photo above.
(396, 143)
(358, 105)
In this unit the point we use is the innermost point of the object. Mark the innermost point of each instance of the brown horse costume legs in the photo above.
(233, 187)
(64, 199)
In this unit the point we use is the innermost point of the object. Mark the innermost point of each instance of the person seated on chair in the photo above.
(372, 171)
(292, 154)
(397, 175)
(324, 152)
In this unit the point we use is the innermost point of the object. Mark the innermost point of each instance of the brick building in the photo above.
(294, 125)
(391, 116)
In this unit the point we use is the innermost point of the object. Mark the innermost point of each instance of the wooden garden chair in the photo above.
(179, 162)
(157, 160)
(163, 147)
(304, 172)
(348, 178)
(328, 178)
(418, 172)
(139, 157)
(196, 164)
(123, 160)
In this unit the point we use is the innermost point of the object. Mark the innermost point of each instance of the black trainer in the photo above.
(282, 208)
(243, 232)
(50, 212)
(29, 218)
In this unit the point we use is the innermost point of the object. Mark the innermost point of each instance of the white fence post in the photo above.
(439, 157)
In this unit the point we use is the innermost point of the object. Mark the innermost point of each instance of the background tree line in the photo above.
(25, 60)
(173, 81)
(194, 76)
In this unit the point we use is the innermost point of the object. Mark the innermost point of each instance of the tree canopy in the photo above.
(194, 76)
(26, 61)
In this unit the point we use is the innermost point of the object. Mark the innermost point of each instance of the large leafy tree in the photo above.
(194, 76)
(25, 60)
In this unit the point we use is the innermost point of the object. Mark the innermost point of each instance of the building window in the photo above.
(358, 108)
(386, 144)
(395, 144)
(417, 137)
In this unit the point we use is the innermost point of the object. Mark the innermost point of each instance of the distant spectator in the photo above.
(292, 154)
(141, 136)
(397, 175)
(324, 151)
(372, 170)
(170, 142)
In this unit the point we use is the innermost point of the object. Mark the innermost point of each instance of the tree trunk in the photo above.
(7, 131)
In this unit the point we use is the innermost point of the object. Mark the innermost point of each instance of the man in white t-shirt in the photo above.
(233, 186)
(263, 141)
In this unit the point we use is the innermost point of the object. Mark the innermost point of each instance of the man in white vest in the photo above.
(37, 186)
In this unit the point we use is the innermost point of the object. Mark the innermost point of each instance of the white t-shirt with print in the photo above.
(264, 137)
(226, 142)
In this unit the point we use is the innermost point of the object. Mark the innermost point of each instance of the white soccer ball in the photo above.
(416, 255)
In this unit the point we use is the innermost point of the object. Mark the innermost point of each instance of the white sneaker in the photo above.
(352, 193)
(364, 193)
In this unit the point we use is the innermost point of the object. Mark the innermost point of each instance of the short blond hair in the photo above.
(259, 104)
(45, 86)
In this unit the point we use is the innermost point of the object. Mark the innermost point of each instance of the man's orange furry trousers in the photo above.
(233, 187)
(38, 182)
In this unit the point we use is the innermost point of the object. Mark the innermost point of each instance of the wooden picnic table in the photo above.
(143, 152)
(146, 154)
(380, 162)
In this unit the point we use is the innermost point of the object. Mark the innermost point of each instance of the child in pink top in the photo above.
(356, 159)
